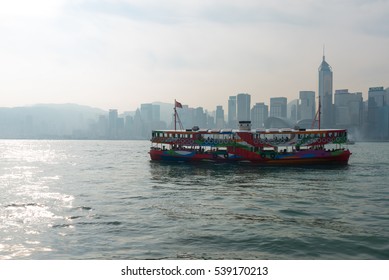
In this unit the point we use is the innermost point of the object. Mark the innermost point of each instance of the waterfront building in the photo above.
(200, 117)
(243, 106)
(293, 111)
(232, 118)
(307, 105)
(150, 112)
(348, 108)
(278, 107)
(219, 116)
(150, 117)
(146, 112)
(378, 113)
(259, 114)
(186, 116)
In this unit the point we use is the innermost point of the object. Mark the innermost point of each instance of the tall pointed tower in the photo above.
(325, 94)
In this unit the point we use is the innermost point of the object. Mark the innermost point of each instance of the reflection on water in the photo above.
(29, 206)
(238, 174)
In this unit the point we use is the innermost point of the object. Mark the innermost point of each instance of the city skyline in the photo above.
(364, 119)
(119, 54)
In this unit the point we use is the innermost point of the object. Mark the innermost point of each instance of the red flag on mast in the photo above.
(177, 104)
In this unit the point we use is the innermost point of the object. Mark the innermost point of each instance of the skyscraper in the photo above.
(243, 106)
(200, 117)
(307, 105)
(325, 94)
(232, 122)
(219, 116)
(259, 114)
(377, 114)
(293, 113)
(348, 108)
(146, 112)
(150, 112)
(278, 107)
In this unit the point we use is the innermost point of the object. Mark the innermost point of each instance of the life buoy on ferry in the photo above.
(273, 155)
(263, 155)
(226, 155)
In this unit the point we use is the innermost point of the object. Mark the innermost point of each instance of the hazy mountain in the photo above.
(46, 120)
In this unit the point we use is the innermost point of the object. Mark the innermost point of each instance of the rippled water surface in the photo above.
(106, 200)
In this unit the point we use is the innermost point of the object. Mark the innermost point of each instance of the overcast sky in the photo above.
(121, 53)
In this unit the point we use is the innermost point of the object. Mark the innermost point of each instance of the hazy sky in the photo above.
(120, 53)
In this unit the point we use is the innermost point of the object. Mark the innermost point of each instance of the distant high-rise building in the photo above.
(150, 112)
(348, 108)
(113, 124)
(186, 116)
(259, 114)
(278, 107)
(156, 113)
(293, 113)
(307, 105)
(146, 112)
(219, 116)
(325, 94)
(377, 114)
(200, 117)
(243, 106)
(210, 120)
(103, 126)
(232, 121)
(150, 117)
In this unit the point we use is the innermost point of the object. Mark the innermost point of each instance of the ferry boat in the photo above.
(261, 146)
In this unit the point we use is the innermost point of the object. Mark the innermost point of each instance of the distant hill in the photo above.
(46, 120)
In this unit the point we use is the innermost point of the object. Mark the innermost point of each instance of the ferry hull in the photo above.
(339, 157)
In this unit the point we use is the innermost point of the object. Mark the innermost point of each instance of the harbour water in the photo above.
(106, 200)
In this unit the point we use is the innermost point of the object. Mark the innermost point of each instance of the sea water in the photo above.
(107, 200)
